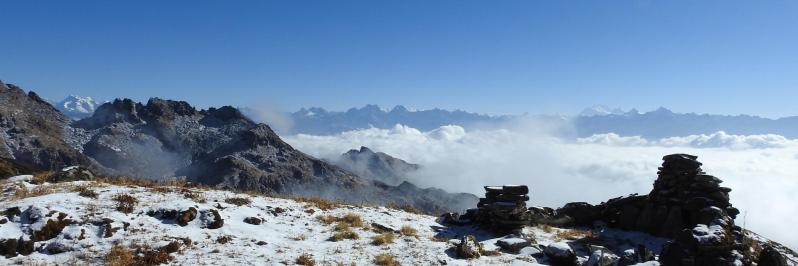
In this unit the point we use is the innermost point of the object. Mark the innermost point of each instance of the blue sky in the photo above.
(726, 57)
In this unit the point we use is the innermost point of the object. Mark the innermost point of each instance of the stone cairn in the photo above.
(503, 208)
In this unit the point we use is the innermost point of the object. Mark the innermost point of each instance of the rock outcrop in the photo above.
(376, 166)
(33, 132)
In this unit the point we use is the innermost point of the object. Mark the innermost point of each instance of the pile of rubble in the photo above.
(503, 208)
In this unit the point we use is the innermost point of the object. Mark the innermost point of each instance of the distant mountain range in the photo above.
(659, 123)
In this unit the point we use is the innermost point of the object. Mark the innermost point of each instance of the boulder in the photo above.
(211, 219)
(253, 220)
(561, 254)
(187, 216)
(769, 256)
(72, 173)
(534, 251)
(601, 256)
(512, 244)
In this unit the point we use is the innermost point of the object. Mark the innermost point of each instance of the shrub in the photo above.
(305, 259)
(385, 259)
(346, 234)
(223, 239)
(327, 219)
(119, 255)
(125, 203)
(408, 231)
(238, 201)
(352, 219)
(382, 239)
(85, 191)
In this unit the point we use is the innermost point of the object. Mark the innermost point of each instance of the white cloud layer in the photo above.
(762, 170)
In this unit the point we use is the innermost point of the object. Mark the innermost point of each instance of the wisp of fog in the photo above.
(760, 169)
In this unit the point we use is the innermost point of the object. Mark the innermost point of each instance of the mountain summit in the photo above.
(77, 107)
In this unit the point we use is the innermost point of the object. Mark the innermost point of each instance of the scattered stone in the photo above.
(468, 248)
(261, 243)
(72, 173)
(253, 220)
(384, 228)
(534, 251)
(561, 254)
(211, 219)
(57, 247)
(11, 247)
(601, 256)
(512, 244)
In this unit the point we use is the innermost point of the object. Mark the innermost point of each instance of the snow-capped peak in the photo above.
(601, 110)
(76, 106)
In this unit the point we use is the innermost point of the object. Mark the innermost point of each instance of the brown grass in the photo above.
(573, 234)
(119, 255)
(546, 228)
(125, 203)
(306, 260)
(408, 230)
(327, 219)
(300, 237)
(323, 204)
(345, 234)
(85, 191)
(224, 239)
(238, 201)
(352, 219)
(386, 259)
(383, 239)
(405, 208)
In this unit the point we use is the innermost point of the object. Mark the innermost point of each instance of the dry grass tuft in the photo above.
(546, 228)
(85, 191)
(408, 230)
(405, 208)
(383, 239)
(224, 239)
(327, 219)
(352, 219)
(323, 204)
(125, 203)
(386, 259)
(238, 201)
(119, 255)
(300, 237)
(306, 260)
(345, 234)
(573, 234)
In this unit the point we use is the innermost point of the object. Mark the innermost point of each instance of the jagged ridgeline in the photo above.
(164, 138)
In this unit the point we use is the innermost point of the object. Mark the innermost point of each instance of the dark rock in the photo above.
(512, 244)
(561, 254)
(211, 219)
(769, 256)
(72, 173)
(253, 220)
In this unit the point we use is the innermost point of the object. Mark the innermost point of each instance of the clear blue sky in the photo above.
(725, 57)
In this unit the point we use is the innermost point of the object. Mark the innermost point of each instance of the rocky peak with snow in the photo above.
(77, 107)
(376, 165)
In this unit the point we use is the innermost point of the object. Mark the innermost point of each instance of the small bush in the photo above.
(125, 203)
(382, 239)
(408, 231)
(85, 191)
(385, 259)
(326, 219)
(352, 219)
(238, 201)
(172, 247)
(306, 260)
(119, 255)
(346, 234)
(224, 239)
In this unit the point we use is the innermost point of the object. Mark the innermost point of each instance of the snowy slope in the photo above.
(291, 229)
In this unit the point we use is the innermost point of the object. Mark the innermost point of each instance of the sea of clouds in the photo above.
(762, 170)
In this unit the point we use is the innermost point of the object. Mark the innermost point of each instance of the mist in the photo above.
(761, 169)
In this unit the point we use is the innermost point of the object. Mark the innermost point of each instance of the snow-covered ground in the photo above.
(290, 229)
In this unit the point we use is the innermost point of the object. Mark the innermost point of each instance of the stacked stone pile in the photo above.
(503, 208)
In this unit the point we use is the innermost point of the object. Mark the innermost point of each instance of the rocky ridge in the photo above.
(163, 138)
